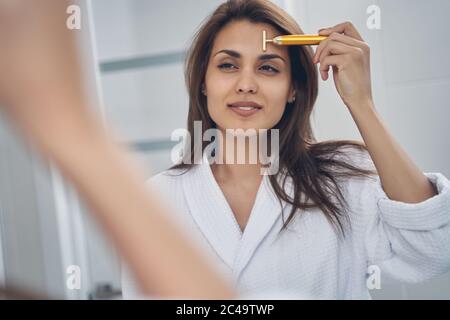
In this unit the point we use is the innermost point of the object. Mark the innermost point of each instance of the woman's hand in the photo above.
(349, 56)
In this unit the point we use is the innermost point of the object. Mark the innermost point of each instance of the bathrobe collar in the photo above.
(216, 220)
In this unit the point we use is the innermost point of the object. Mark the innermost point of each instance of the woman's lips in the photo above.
(245, 113)
(245, 109)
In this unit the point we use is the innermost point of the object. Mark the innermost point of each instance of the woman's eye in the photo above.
(226, 66)
(269, 68)
(230, 66)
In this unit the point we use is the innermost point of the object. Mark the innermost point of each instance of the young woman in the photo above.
(333, 209)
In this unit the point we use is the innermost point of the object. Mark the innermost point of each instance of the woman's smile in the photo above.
(245, 108)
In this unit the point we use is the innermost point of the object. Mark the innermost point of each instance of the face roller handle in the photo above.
(293, 40)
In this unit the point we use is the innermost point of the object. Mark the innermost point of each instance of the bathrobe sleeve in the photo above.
(408, 242)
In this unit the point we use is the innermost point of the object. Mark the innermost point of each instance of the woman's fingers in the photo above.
(338, 54)
(331, 61)
(349, 55)
(346, 28)
(328, 46)
(338, 37)
(335, 48)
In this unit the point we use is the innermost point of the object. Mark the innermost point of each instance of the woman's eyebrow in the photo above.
(262, 57)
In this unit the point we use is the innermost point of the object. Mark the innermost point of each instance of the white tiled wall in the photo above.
(146, 104)
(415, 40)
(142, 27)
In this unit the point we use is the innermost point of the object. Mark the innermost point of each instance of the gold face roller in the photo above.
(293, 40)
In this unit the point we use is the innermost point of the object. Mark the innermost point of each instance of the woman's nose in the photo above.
(246, 84)
(247, 90)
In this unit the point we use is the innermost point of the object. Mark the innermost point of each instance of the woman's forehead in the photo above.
(246, 37)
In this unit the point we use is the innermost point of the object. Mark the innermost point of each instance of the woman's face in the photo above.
(239, 73)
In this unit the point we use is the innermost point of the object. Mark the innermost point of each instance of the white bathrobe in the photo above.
(407, 242)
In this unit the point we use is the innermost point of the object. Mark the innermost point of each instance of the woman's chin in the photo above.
(246, 127)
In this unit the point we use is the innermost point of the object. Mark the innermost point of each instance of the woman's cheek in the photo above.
(276, 113)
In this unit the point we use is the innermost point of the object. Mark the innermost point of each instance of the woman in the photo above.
(333, 208)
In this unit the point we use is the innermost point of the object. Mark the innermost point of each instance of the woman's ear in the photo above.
(203, 89)
(292, 95)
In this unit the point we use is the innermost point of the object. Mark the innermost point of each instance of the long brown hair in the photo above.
(313, 168)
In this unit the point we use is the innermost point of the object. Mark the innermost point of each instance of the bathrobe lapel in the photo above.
(265, 213)
(213, 215)
(211, 212)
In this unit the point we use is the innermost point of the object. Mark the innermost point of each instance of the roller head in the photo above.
(265, 40)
